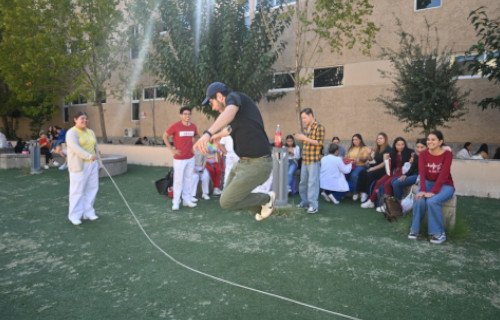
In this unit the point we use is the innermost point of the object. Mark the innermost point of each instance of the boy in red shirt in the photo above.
(183, 132)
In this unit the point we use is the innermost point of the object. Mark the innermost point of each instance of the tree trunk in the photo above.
(101, 120)
(153, 120)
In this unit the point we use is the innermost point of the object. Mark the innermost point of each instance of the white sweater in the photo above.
(332, 174)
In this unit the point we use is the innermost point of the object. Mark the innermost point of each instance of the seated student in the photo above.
(358, 154)
(20, 144)
(332, 179)
(45, 150)
(399, 155)
(342, 151)
(497, 154)
(465, 152)
(436, 187)
(376, 169)
(293, 151)
(410, 177)
(59, 146)
(481, 153)
(200, 174)
(214, 168)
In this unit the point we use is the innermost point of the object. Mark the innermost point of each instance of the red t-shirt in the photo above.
(183, 139)
(435, 168)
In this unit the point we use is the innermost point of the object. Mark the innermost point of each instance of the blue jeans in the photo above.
(339, 195)
(292, 167)
(433, 207)
(399, 186)
(353, 178)
(309, 184)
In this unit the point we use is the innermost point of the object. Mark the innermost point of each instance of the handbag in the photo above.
(393, 209)
(407, 202)
(164, 184)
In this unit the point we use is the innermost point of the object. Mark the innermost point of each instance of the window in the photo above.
(328, 77)
(66, 114)
(464, 63)
(135, 110)
(161, 92)
(427, 4)
(136, 95)
(149, 93)
(283, 81)
(80, 100)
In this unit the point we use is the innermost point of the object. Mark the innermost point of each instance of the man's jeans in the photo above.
(309, 184)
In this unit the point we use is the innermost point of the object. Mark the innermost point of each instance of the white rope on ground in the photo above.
(214, 277)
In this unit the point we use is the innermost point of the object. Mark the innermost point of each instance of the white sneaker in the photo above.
(217, 192)
(380, 209)
(364, 196)
(331, 197)
(92, 218)
(368, 204)
(355, 197)
(189, 204)
(325, 196)
(205, 196)
(64, 166)
(76, 222)
(46, 167)
(55, 163)
(267, 208)
(175, 207)
(193, 200)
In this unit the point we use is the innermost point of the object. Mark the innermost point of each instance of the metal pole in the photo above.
(35, 157)
(280, 177)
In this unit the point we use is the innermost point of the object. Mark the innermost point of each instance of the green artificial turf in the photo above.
(345, 259)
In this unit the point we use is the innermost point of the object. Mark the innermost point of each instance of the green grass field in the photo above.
(345, 259)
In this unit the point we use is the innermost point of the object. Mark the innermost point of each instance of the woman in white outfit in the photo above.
(83, 170)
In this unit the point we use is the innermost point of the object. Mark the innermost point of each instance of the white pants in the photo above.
(183, 173)
(229, 164)
(204, 176)
(83, 187)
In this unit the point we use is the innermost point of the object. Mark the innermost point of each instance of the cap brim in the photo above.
(205, 102)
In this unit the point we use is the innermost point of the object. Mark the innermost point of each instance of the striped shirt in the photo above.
(312, 153)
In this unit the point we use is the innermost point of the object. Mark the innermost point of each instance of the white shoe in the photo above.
(355, 197)
(64, 166)
(46, 167)
(364, 196)
(267, 208)
(380, 209)
(92, 218)
(189, 204)
(205, 196)
(193, 200)
(55, 163)
(368, 204)
(76, 222)
(325, 196)
(217, 192)
(331, 197)
(175, 207)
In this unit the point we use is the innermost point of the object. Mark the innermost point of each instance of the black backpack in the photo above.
(163, 184)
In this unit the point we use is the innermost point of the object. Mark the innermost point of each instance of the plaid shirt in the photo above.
(312, 153)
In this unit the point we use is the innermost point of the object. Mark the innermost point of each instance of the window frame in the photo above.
(423, 9)
(287, 89)
(327, 87)
(466, 58)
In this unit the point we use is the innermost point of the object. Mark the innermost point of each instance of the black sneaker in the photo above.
(438, 239)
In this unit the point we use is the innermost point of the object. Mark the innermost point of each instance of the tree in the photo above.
(334, 24)
(196, 49)
(102, 42)
(487, 50)
(425, 93)
(34, 59)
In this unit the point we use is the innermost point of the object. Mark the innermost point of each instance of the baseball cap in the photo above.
(212, 90)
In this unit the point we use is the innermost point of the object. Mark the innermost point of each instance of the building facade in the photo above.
(344, 102)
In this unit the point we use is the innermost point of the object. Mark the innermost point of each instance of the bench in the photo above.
(449, 210)
(14, 161)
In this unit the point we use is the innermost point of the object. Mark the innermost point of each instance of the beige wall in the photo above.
(350, 108)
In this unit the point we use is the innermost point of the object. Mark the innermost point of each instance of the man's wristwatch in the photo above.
(208, 132)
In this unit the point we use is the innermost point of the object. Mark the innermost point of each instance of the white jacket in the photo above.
(76, 154)
(332, 174)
